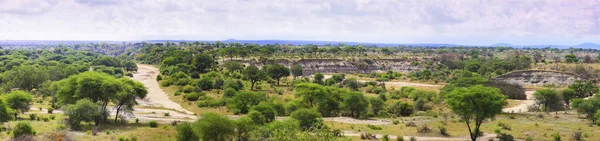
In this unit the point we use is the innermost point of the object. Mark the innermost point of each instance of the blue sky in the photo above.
(469, 22)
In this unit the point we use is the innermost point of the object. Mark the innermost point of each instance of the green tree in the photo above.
(307, 118)
(125, 100)
(244, 126)
(257, 117)
(356, 103)
(567, 96)
(205, 83)
(377, 105)
(242, 101)
(475, 104)
(297, 70)
(23, 129)
(215, 127)
(5, 112)
(203, 62)
(253, 74)
(584, 89)
(352, 83)
(24, 78)
(234, 66)
(82, 110)
(587, 106)
(266, 110)
(185, 132)
(107, 61)
(318, 78)
(18, 101)
(571, 58)
(547, 97)
(277, 71)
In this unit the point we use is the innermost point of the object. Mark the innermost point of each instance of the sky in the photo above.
(466, 22)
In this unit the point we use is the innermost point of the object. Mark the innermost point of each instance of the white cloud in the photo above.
(433, 21)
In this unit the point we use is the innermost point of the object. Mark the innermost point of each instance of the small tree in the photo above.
(205, 83)
(82, 110)
(242, 101)
(277, 71)
(5, 112)
(567, 96)
(547, 97)
(215, 127)
(356, 103)
(571, 58)
(475, 104)
(318, 78)
(297, 70)
(18, 101)
(267, 111)
(23, 129)
(307, 118)
(253, 74)
(185, 132)
(203, 62)
(377, 105)
(352, 83)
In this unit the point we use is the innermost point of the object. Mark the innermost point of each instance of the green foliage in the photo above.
(82, 110)
(338, 77)
(23, 129)
(229, 92)
(266, 110)
(401, 108)
(215, 127)
(356, 104)
(185, 132)
(19, 101)
(233, 66)
(242, 101)
(253, 74)
(194, 96)
(587, 106)
(187, 89)
(26, 77)
(257, 117)
(307, 118)
(5, 112)
(296, 70)
(377, 104)
(584, 89)
(32, 116)
(330, 82)
(571, 58)
(318, 78)
(352, 84)
(277, 71)
(153, 124)
(203, 62)
(205, 83)
(476, 103)
(234, 84)
(549, 98)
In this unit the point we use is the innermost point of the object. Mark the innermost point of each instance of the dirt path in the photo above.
(485, 137)
(156, 96)
(521, 108)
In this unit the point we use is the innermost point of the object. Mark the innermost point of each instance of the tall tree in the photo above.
(125, 100)
(203, 62)
(356, 103)
(253, 74)
(215, 127)
(475, 104)
(547, 97)
(277, 71)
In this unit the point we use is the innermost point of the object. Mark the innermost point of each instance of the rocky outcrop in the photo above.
(538, 78)
(311, 66)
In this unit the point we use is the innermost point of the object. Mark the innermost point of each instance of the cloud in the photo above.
(433, 21)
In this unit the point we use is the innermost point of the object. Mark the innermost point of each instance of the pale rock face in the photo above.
(538, 78)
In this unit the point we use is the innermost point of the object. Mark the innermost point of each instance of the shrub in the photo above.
(399, 138)
(505, 137)
(137, 120)
(423, 129)
(385, 138)
(556, 137)
(504, 126)
(46, 119)
(187, 89)
(218, 83)
(185, 132)
(153, 124)
(379, 90)
(50, 110)
(410, 124)
(177, 93)
(158, 78)
(205, 83)
(52, 117)
(413, 139)
(577, 135)
(528, 138)
(374, 127)
(229, 92)
(443, 131)
(395, 122)
(166, 83)
(32, 116)
(22, 129)
(167, 114)
(193, 96)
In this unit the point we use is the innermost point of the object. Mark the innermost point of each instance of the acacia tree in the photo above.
(126, 98)
(18, 101)
(5, 112)
(297, 70)
(475, 104)
(253, 74)
(25, 78)
(547, 97)
(215, 127)
(95, 86)
(356, 103)
(277, 71)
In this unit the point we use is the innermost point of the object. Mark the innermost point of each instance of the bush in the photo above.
(218, 83)
(395, 122)
(505, 137)
(153, 124)
(166, 83)
(158, 78)
(399, 138)
(50, 110)
(556, 137)
(577, 135)
(307, 118)
(230, 83)
(379, 90)
(177, 93)
(187, 89)
(229, 92)
(185, 132)
(205, 83)
(374, 127)
(194, 96)
(423, 129)
(52, 117)
(32, 116)
(385, 138)
(22, 129)
(413, 139)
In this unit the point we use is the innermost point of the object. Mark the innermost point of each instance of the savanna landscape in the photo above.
(301, 70)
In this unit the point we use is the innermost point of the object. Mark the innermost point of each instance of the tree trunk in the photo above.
(117, 113)
(16, 118)
(277, 81)
(252, 87)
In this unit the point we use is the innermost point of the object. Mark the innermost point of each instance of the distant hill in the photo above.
(588, 45)
(502, 45)
(305, 42)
